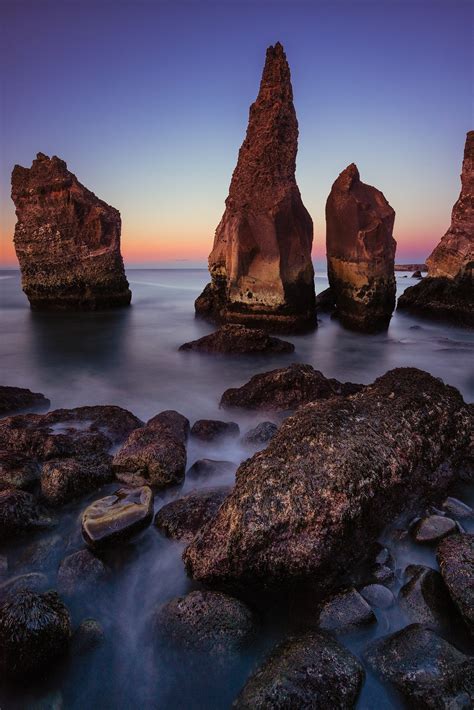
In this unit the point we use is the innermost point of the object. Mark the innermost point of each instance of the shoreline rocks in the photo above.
(67, 240)
(234, 339)
(16, 399)
(183, 518)
(214, 430)
(117, 517)
(456, 562)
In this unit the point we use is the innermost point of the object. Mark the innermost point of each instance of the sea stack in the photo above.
(67, 240)
(360, 252)
(448, 291)
(260, 265)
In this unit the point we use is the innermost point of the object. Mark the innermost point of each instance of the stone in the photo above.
(417, 274)
(207, 468)
(325, 300)
(427, 670)
(260, 265)
(345, 612)
(21, 513)
(424, 598)
(88, 636)
(182, 518)
(65, 480)
(360, 252)
(17, 399)
(156, 452)
(378, 596)
(261, 434)
(432, 529)
(117, 517)
(285, 389)
(41, 554)
(204, 622)
(441, 298)
(34, 581)
(315, 500)
(457, 509)
(35, 630)
(235, 339)
(456, 563)
(17, 470)
(79, 573)
(67, 240)
(309, 671)
(213, 429)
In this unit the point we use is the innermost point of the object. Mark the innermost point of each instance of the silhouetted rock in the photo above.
(19, 513)
(336, 473)
(416, 274)
(360, 252)
(17, 470)
(456, 562)
(344, 612)
(16, 399)
(212, 429)
(411, 267)
(325, 300)
(118, 516)
(260, 265)
(67, 240)
(285, 388)
(182, 518)
(79, 573)
(236, 339)
(310, 671)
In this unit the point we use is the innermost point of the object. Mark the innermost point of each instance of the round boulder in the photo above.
(213, 429)
(118, 516)
(80, 572)
(182, 518)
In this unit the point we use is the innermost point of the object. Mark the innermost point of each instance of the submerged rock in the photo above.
(424, 668)
(456, 562)
(79, 573)
(310, 671)
(424, 598)
(16, 399)
(64, 480)
(432, 529)
(20, 513)
(206, 468)
(360, 252)
(378, 596)
(88, 636)
(17, 470)
(336, 473)
(67, 240)
(118, 516)
(212, 429)
(285, 388)
(345, 612)
(35, 630)
(34, 581)
(260, 265)
(182, 518)
(456, 508)
(236, 339)
(261, 434)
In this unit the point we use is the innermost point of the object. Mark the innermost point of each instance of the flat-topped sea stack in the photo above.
(67, 240)
(360, 253)
(260, 265)
(448, 292)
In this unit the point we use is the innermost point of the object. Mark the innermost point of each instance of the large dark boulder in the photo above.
(234, 339)
(314, 501)
(441, 298)
(182, 518)
(456, 562)
(64, 480)
(16, 399)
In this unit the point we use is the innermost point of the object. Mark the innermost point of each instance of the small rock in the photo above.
(260, 434)
(205, 468)
(236, 339)
(417, 274)
(432, 529)
(17, 470)
(212, 429)
(456, 562)
(378, 596)
(325, 300)
(87, 637)
(80, 572)
(16, 399)
(457, 509)
(118, 516)
(19, 513)
(40, 555)
(171, 423)
(424, 598)
(34, 581)
(345, 612)
(65, 480)
(310, 671)
(181, 519)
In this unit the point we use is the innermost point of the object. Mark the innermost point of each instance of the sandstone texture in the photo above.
(234, 339)
(360, 252)
(16, 399)
(67, 240)
(260, 264)
(334, 475)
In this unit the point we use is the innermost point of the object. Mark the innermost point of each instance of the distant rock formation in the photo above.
(67, 240)
(260, 265)
(448, 292)
(411, 267)
(360, 252)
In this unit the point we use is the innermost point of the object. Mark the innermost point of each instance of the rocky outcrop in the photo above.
(285, 388)
(448, 292)
(16, 399)
(117, 517)
(182, 518)
(456, 562)
(67, 240)
(233, 339)
(260, 265)
(360, 252)
(334, 475)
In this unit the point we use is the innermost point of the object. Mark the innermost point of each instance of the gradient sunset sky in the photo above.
(148, 104)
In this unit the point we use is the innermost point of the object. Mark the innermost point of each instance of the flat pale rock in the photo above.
(118, 516)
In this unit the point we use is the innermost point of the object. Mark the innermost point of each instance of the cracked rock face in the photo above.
(67, 240)
(360, 252)
(260, 265)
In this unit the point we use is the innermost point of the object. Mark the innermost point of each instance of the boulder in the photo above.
(64, 480)
(261, 434)
(309, 671)
(35, 630)
(182, 518)
(325, 300)
(336, 473)
(213, 429)
(88, 636)
(17, 470)
(345, 612)
(424, 668)
(417, 274)
(207, 468)
(21, 513)
(67, 240)
(117, 517)
(457, 509)
(79, 573)
(424, 598)
(441, 298)
(17, 399)
(360, 253)
(285, 388)
(260, 265)
(234, 339)
(432, 529)
(456, 562)
(34, 581)
(378, 596)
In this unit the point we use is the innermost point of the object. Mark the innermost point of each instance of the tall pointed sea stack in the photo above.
(360, 252)
(260, 265)
(67, 240)
(448, 291)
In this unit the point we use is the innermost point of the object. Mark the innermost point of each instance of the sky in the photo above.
(148, 104)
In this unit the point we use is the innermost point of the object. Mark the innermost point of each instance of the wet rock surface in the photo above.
(206, 468)
(21, 513)
(64, 480)
(441, 298)
(456, 562)
(424, 598)
(361, 252)
(182, 518)
(427, 670)
(33, 581)
(345, 612)
(118, 516)
(334, 475)
(378, 596)
(79, 573)
(286, 388)
(310, 671)
(16, 399)
(457, 509)
(237, 339)
(213, 429)
(67, 240)
(261, 434)
(17, 470)
(260, 266)
(433, 528)
(88, 636)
